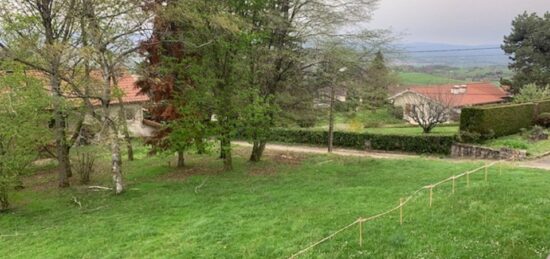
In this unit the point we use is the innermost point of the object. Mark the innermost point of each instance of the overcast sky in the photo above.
(453, 21)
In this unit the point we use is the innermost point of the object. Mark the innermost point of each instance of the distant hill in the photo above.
(421, 54)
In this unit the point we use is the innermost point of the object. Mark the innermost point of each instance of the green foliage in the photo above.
(543, 120)
(378, 78)
(23, 130)
(532, 93)
(436, 144)
(396, 111)
(496, 121)
(529, 45)
(542, 106)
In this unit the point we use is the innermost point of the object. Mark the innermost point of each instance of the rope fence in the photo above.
(402, 203)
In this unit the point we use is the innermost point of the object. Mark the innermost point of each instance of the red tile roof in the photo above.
(475, 94)
(127, 84)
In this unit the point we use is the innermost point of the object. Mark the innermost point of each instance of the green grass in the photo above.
(519, 142)
(440, 130)
(356, 121)
(416, 78)
(279, 206)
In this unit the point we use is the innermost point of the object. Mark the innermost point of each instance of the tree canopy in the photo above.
(529, 48)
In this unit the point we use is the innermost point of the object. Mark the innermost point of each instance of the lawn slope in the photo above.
(279, 206)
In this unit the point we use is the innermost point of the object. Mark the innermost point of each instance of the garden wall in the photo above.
(477, 152)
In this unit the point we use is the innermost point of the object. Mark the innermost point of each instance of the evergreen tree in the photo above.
(529, 48)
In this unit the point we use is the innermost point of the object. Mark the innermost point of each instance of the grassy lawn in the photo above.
(415, 78)
(440, 130)
(279, 206)
(519, 142)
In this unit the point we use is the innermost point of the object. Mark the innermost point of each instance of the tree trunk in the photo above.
(257, 150)
(226, 152)
(331, 118)
(62, 148)
(116, 162)
(181, 159)
(222, 150)
(4, 204)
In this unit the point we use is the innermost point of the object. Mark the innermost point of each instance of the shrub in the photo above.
(396, 111)
(84, 165)
(307, 120)
(498, 120)
(408, 143)
(542, 106)
(543, 120)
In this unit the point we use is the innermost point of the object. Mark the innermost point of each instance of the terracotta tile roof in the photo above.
(127, 84)
(473, 93)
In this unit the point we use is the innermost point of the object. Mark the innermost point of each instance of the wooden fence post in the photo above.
(486, 171)
(467, 179)
(431, 195)
(454, 184)
(401, 211)
(361, 232)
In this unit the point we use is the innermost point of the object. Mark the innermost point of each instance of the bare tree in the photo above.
(432, 108)
(112, 28)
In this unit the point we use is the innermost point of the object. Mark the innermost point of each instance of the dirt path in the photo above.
(541, 163)
(337, 151)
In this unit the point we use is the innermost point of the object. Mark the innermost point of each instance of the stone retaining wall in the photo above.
(478, 152)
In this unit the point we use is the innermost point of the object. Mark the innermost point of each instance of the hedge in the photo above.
(542, 107)
(424, 144)
(496, 121)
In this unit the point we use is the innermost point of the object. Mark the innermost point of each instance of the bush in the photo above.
(543, 120)
(498, 120)
(396, 111)
(307, 120)
(413, 143)
(542, 106)
(84, 165)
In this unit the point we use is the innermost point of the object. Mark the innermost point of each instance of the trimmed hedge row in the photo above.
(424, 144)
(496, 121)
(542, 107)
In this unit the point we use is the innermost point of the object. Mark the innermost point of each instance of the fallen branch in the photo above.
(75, 200)
(100, 188)
(201, 185)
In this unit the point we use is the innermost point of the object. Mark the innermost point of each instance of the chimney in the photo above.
(459, 89)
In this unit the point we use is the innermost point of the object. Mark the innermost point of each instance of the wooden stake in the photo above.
(431, 195)
(454, 184)
(467, 180)
(360, 232)
(401, 211)
(486, 171)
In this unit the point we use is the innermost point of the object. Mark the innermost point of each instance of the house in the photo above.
(452, 97)
(135, 106)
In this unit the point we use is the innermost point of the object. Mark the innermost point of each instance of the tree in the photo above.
(110, 27)
(378, 79)
(430, 111)
(286, 26)
(24, 126)
(532, 93)
(40, 34)
(529, 48)
(197, 65)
